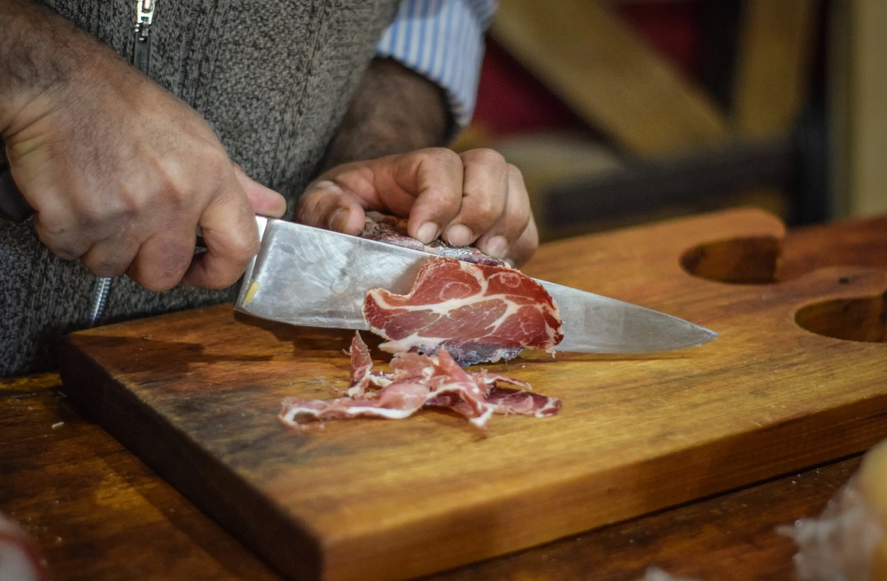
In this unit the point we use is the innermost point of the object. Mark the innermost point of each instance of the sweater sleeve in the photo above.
(443, 40)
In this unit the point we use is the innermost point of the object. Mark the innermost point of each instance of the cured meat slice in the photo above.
(393, 230)
(476, 312)
(518, 401)
(418, 381)
(361, 367)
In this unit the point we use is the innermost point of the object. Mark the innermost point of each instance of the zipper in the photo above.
(141, 58)
(141, 54)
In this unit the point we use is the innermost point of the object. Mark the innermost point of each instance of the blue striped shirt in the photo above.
(442, 40)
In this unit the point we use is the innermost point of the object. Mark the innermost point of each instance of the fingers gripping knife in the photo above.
(15, 208)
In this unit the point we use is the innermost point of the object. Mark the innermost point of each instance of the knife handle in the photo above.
(13, 205)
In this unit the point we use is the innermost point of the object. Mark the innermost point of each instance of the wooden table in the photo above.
(99, 513)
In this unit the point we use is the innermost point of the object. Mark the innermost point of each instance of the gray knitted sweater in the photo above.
(272, 77)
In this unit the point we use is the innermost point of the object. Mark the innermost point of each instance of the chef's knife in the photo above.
(316, 278)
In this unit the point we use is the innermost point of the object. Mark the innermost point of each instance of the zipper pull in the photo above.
(142, 33)
(144, 18)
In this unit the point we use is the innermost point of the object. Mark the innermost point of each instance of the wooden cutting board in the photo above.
(196, 396)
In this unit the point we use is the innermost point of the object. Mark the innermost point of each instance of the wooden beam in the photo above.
(773, 65)
(697, 181)
(858, 92)
(587, 56)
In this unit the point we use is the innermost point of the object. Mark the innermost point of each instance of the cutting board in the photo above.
(196, 396)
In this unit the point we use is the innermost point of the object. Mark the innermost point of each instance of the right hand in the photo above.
(121, 172)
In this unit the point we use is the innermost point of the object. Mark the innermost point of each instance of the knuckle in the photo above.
(531, 235)
(216, 178)
(104, 267)
(153, 282)
(65, 252)
(216, 162)
(517, 221)
(252, 247)
(92, 217)
(49, 228)
(108, 269)
(129, 205)
(514, 173)
(488, 156)
(442, 206)
(484, 210)
(322, 198)
(158, 283)
(443, 156)
(164, 267)
(517, 218)
(244, 247)
(59, 239)
(305, 216)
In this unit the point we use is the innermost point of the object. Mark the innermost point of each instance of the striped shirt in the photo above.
(443, 40)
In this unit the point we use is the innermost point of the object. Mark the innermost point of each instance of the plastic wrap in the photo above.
(20, 558)
(848, 541)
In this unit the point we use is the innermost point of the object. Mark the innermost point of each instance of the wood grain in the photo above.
(195, 395)
(100, 514)
(728, 538)
(608, 75)
(850, 242)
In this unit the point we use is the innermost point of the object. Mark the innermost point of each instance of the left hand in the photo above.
(473, 198)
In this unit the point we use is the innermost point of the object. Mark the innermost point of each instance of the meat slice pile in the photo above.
(475, 312)
(393, 230)
(416, 381)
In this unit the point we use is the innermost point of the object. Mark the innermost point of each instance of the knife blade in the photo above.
(311, 277)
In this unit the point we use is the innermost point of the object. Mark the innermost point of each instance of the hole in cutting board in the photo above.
(750, 260)
(862, 319)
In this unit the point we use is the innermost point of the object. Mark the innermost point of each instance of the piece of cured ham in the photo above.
(475, 312)
(393, 230)
(417, 381)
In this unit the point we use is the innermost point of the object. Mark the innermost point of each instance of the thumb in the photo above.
(265, 201)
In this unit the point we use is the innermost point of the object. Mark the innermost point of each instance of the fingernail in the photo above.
(458, 235)
(497, 247)
(339, 220)
(426, 232)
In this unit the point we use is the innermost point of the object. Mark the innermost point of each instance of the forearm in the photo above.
(394, 111)
(39, 51)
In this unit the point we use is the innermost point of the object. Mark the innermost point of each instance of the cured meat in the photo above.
(361, 367)
(475, 312)
(393, 230)
(417, 381)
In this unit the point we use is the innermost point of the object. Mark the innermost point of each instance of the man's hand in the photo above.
(119, 171)
(472, 198)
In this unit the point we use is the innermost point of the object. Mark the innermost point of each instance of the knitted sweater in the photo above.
(272, 77)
